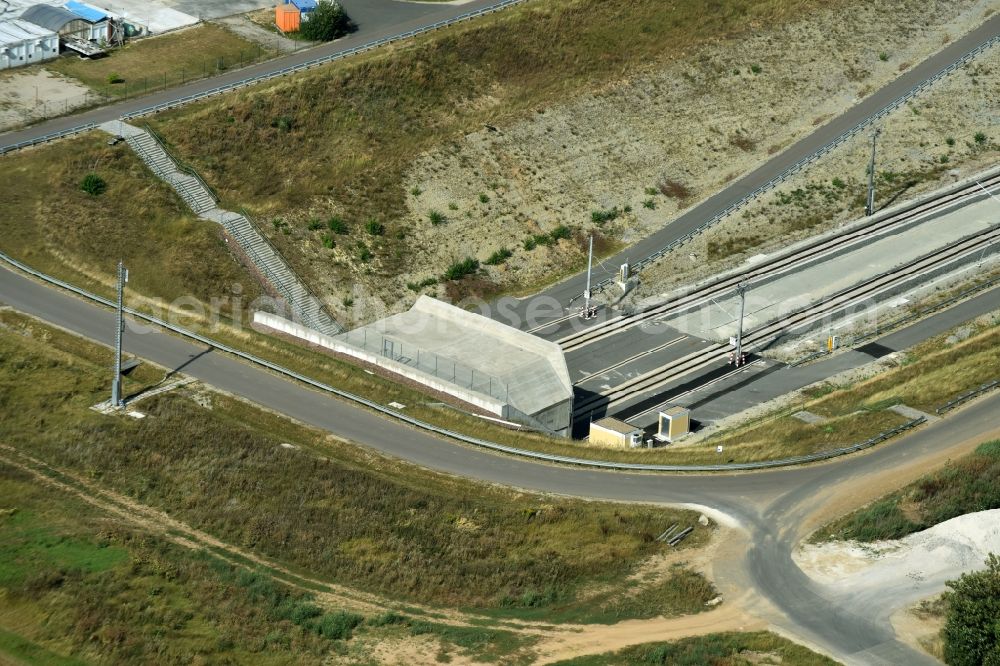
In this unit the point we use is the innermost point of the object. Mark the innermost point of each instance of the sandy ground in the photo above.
(694, 122)
(894, 574)
(34, 93)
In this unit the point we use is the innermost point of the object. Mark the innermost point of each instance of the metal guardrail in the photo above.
(266, 76)
(965, 397)
(451, 434)
(798, 166)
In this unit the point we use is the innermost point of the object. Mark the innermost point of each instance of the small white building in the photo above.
(24, 43)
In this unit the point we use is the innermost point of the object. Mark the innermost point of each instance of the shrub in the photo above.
(328, 22)
(602, 216)
(649, 203)
(971, 635)
(883, 56)
(500, 256)
(453, 206)
(314, 224)
(460, 269)
(436, 218)
(756, 69)
(426, 282)
(950, 141)
(374, 228)
(530, 243)
(944, 159)
(839, 184)
(416, 191)
(484, 198)
(559, 233)
(979, 138)
(651, 191)
(337, 225)
(328, 242)
(93, 184)
(115, 77)
(338, 626)
(364, 254)
(284, 123)
(387, 618)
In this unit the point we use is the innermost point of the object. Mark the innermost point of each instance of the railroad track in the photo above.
(778, 264)
(716, 353)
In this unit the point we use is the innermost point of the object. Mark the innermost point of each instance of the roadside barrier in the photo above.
(450, 434)
(965, 397)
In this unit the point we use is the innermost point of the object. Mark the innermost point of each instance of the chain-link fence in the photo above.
(427, 361)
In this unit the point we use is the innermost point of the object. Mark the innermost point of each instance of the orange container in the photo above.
(287, 18)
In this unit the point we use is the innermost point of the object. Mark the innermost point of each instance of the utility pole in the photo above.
(116, 384)
(741, 289)
(870, 204)
(588, 312)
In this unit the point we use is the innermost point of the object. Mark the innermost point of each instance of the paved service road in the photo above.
(770, 506)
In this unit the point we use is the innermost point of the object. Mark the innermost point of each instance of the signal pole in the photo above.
(116, 384)
(741, 289)
(870, 204)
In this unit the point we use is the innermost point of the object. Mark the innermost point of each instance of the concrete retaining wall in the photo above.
(301, 332)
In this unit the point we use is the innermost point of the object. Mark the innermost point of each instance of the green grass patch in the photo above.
(966, 485)
(323, 508)
(21, 650)
(164, 61)
(728, 649)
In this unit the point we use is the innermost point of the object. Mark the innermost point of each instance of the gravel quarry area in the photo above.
(893, 574)
(646, 148)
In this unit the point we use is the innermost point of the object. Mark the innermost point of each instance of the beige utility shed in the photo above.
(674, 424)
(610, 431)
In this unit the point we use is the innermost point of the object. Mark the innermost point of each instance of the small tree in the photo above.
(93, 184)
(972, 628)
(327, 22)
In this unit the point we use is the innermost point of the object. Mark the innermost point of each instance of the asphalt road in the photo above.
(375, 19)
(768, 505)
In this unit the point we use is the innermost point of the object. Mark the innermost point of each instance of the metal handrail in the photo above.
(181, 164)
(322, 307)
(451, 434)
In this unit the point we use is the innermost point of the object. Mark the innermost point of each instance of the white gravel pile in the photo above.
(893, 573)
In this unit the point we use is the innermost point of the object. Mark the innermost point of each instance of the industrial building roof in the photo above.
(525, 371)
(86, 12)
(47, 16)
(16, 31)
(616, 425)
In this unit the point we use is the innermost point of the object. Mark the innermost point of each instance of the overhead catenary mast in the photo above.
(116, 384)
(588, 311)
(870, 201)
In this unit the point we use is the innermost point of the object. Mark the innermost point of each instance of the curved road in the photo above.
(773, 507)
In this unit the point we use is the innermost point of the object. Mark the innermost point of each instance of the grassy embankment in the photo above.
(154, 63)
(52, 225)
(346, 134)
(966, 485)
(327, 512)
(718, 649)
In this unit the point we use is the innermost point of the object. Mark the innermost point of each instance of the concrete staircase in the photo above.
(200, 198)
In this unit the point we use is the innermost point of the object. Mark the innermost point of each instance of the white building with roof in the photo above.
(24, 43)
